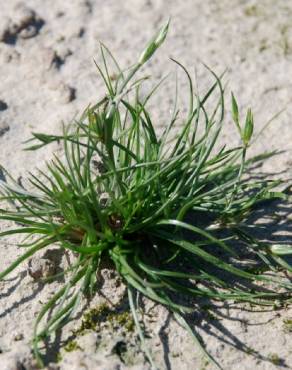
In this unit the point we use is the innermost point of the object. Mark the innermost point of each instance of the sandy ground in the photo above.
(48, 76)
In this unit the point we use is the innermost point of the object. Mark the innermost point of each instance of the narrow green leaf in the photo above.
(235, 114)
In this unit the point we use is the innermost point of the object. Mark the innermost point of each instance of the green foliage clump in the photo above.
(287, 323)
(96, 316)
(93, 317)
(167, 210)
(123, 319)
(275, 359)
(71, 346)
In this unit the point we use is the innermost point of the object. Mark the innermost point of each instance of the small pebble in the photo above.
(17, 337)
(3, 128)
(28, 32)
(24, 24)
(50, 59)
(3, 105)
(41, 268)
(66, 93)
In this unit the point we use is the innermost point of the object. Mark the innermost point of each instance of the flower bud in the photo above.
(154, 44)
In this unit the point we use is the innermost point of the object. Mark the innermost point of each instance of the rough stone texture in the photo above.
(46, 59)
(18, 358)
(41, 268)
(23, 23)
(3, 105)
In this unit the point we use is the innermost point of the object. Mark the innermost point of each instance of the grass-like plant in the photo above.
(167, 210)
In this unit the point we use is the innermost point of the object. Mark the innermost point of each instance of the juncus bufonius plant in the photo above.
(136, 210)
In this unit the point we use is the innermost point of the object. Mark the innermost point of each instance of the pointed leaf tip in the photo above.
(154, 44)
(235, 114)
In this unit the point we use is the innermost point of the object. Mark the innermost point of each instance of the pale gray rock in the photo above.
(3, 128)
(41, 267)
(3, 105)
(23, 23)
(18, 358)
